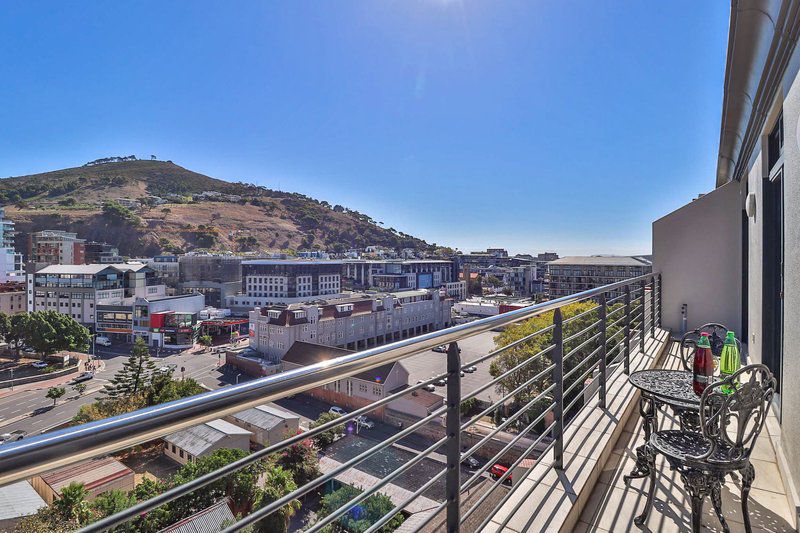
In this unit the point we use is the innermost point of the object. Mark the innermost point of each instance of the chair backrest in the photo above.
(716, 336)
(733, 412)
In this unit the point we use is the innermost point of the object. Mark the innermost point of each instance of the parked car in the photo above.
(429, 387)
(29, 351)
(102, 341)
(14, 436)
(440, 382)
(39, 364)
(337, 411)
(498, 471)
(83, 376)
(442, 348)
(365, 422)
(470, 462)
(168, 368)
(470, 369)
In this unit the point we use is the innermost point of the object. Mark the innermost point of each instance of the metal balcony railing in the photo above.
(564, 372)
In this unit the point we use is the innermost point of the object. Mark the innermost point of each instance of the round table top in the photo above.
(674, 386)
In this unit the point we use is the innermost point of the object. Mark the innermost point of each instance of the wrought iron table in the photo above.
(660, 387)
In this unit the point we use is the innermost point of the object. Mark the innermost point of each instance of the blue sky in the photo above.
(566, 126)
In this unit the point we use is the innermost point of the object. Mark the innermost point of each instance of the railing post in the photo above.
(642, 286)
(627, 358)
(453, 428)
(659, 300)
(602, 313)
(558, 392)
(653, 308)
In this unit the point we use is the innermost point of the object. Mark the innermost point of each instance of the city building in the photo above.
(56, 247)
(168, 269)
(266, 423)
(354, 392)
(353, 322)
(217, 276)
(457, 290)
(17, 501)
(77, 290)
(569, 275)
(96, 475)
(12, 298)
(161, 321)
(188, 444)
(11, 267)
(101, 253)
(397, 275)
(268, 282)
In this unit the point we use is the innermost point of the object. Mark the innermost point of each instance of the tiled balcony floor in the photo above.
(612, 505)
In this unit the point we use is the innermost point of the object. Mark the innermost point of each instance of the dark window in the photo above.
(775, 142)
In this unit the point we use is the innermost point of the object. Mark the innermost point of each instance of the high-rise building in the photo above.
(569, 275)
(11, 267)
(272, 281)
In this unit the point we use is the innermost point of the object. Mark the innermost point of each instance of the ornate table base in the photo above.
(647, 410)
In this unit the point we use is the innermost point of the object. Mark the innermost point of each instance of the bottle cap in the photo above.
(703, 342)
(730, 337)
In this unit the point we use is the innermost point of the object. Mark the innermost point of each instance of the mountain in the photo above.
(230, 216)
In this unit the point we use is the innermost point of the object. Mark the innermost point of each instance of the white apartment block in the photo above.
(267, 282)
(354, 323)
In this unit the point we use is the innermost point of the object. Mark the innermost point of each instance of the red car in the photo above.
(498, 471)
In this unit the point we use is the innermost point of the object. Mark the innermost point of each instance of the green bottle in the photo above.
(729, 360)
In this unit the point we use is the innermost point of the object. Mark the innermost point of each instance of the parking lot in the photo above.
(425, 365)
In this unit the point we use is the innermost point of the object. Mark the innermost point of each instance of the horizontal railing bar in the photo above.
(499, 481)
(581, 314)
(507, 373)
(270, 508)
(580, 364)
(502, 400)
(617, 322)
(376, 487)
(615, 311)
(478, 473)
(584, 331)
(29, 457)
(583, 377)
(582, 345)
(615, 299)
(508, 346)
(402, 505)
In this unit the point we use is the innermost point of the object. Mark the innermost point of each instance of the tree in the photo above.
(205, 340)
(80, 388)
(112, 502)
(360, 516)
(71, 504)
(54, 393)
(135, 373)
(48, 332)
(327, 437)
(301, 460)
(493, 281)
(277, 484)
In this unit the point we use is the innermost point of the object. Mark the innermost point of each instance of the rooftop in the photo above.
(264, 416)
(605, 260)
(19, 499)
(214, 518)
(92, 473)
(197, 439)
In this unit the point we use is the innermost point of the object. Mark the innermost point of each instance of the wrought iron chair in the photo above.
(716, 336)
(732, 413)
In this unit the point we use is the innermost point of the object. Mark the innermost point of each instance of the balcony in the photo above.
(566, 440)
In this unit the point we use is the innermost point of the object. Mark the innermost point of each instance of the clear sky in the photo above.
(533, 125)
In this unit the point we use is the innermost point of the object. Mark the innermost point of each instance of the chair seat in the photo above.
(682, 444)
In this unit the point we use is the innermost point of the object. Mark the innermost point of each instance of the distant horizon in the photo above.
(462, 123)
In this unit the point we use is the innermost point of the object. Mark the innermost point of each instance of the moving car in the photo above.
(168, 368)
(471, 369)
(337, 411)
(364, 422)
(442, 348)
(83, 376)
(14, 436)
(498, 470)
(39, 364)
(103, 341)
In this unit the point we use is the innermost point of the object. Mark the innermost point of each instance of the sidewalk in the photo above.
(55, 382)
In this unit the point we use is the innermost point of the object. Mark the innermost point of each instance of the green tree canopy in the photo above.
(136, 373)
(362, 515)
(327, 437)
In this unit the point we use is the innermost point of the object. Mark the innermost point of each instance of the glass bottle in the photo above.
(703, 367)
(729, 361)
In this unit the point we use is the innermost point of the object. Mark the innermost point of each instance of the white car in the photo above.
(364, 422)
(337, 411)
(39, 364)
(103, 341)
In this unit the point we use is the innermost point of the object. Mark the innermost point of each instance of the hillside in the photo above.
(243, 217)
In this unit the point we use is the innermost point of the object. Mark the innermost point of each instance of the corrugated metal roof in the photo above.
(264, 416)
(209, 520)
(92, 473)
(19, 499)
(197, 439)
(73, 269)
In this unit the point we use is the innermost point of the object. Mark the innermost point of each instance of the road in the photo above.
(32, 412)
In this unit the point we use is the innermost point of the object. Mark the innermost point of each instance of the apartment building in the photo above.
(569, 275)
(216, 276)
(168, 269)
(269, 281)
(77, 290)
(398, 274)
(355, 322)
(12, 298)
(101, 252)
(56, 247)
(11, 267)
